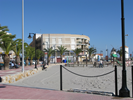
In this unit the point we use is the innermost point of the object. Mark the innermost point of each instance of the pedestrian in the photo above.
(44, 64)
(101, 64)
(12, 64)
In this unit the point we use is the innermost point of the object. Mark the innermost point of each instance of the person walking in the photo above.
(44, 64)
(101, 64)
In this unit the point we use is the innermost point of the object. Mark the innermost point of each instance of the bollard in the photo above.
(61, 77)
(132, 81)
(116, 89)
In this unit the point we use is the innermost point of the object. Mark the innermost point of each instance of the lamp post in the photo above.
(101, 52)
(54, 53)
(126, 38)
(35, 45)
(106, 54)
(23, 36)
(123, 92)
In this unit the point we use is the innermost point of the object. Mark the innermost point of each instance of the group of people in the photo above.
(13, 64)
(100, 64)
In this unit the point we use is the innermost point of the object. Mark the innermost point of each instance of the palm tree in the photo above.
(91, 51)
(18, 49)
(7, 44)
(3, 30)
(27, 53)
(61, 49)
(77, 51)
(50, 51)
(31, 54)
(39, 54)
(119, 52)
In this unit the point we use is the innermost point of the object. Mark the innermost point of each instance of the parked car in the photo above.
(85, 60)
(36, 62)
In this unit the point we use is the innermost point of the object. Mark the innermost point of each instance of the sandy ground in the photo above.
(51, 79)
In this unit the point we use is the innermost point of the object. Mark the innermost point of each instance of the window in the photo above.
(60, 41)
(53, 41)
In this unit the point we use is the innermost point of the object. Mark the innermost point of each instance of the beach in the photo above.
(50, 79)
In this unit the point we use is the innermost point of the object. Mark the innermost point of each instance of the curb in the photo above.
(20, 75)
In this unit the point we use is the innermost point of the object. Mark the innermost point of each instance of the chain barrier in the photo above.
(88, 76)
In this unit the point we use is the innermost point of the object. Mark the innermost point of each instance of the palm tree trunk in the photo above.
(89, 57)
(37, 61)
(17, 60)
(6, 62)
(48, 60)
(31, 62)
(61, 58)
(77, 60)
(26, 62)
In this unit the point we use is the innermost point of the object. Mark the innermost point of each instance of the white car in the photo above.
(36, 61)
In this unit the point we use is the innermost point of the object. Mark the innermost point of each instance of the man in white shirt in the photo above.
(101, 64)
(12, 65)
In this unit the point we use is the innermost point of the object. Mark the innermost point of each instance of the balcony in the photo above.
(84, 49)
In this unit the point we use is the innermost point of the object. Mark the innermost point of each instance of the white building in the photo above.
(126, 52)
(69, 41)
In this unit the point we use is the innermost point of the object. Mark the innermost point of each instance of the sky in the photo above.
(98, 19)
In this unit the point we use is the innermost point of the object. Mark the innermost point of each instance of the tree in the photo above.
(120, 53)
(61, 49)
(77, 51)
(31, 54)
(39, 54)
(50, 51)
(91, 51)
(18, 49)
(3, 30)
(27, 53)
(7, 44)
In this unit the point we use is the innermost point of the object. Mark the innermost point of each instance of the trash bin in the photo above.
(65, 61)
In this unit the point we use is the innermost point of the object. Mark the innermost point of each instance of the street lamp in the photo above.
(123, 92)
(106, 54)
(126, 38)
(54, 53)
(101, 53)
(35, 45)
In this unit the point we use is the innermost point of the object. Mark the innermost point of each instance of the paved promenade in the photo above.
(11, 91)
(15, 92)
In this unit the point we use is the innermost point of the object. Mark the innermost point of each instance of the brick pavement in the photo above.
(16, 92)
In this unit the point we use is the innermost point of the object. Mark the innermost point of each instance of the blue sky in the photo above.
(98, 19)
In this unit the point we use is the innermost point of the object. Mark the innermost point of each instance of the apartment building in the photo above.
(70, 41)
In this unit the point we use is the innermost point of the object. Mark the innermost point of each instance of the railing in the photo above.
(116, 89)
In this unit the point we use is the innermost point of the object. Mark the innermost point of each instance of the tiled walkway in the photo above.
(15, 92)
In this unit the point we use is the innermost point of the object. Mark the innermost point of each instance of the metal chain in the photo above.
(88, 76)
